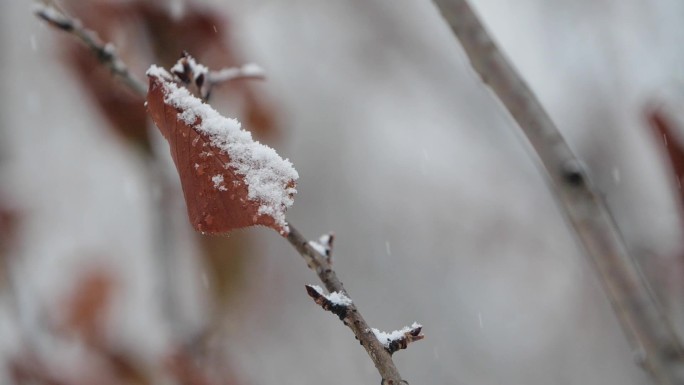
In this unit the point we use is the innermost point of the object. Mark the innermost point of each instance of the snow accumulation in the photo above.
(336, 297)
(266, 174)
(323, 245)
(320, 249)
(387, 338)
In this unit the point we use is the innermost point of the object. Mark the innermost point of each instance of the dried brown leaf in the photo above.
(216, 194)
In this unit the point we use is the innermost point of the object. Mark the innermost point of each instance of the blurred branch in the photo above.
(225, 75)
(105, 52)
(639, 313)
(347, 311)
(380, 354)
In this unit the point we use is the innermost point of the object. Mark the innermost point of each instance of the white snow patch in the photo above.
(320, 249)
(335, 297)
(318, 289)
(387, 338)
(339, 298)
(265, 172)
(218, 182)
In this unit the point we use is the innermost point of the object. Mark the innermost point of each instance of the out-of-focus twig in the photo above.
(105, 52)
(644, 323)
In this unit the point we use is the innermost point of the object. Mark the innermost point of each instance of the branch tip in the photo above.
(105, 52)
(399, 339)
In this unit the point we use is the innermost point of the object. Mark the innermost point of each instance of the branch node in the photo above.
(573, 172)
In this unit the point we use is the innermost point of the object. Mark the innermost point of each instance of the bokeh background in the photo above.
(440, 211)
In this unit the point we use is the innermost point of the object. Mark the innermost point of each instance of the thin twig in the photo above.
(247, 71)
(640, 315)
(320, 263)
(382, 358)
(105, 52)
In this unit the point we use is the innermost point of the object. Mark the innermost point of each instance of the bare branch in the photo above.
(381, 356)
(642, 320)
(247, 71)
(105, 52)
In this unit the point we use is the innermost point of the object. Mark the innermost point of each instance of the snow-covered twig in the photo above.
(381, 356)
(105, 52)
(642, 320)
(338, 303)
(399, 339)
(335, 302)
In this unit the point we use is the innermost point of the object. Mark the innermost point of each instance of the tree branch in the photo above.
(379, 354)
(321, 263)
(105, 52)
(641, 318)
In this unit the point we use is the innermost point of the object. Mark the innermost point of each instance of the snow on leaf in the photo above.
(229, 180)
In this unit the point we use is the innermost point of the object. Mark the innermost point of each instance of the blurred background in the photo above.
(440, 212)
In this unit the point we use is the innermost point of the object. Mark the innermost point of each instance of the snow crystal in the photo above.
(387, 338)
(218, 182)
(265, 172)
